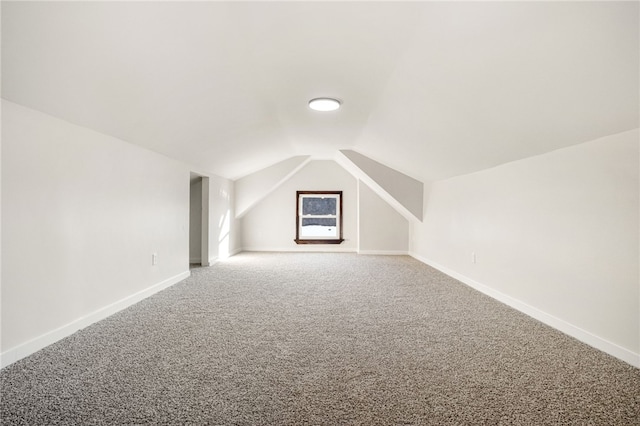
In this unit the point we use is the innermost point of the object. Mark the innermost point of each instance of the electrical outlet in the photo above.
(154, 259)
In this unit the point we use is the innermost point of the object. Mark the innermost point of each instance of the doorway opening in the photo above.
(198, 223)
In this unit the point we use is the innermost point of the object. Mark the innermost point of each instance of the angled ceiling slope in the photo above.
(252, 188)
(435, 88)
(399, 190)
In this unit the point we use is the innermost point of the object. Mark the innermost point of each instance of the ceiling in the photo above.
(431, 89)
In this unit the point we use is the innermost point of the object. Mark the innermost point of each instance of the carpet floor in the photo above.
(319, 339)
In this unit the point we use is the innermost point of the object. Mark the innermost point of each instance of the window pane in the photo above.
(312, 221)
(318, 206)
(319, 227)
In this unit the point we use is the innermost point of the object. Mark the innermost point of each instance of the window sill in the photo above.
(336, 241)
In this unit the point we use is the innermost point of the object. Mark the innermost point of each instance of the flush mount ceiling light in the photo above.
(324, 104)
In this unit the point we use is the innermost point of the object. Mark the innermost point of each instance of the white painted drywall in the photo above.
(82, 214)
(405, 190)
(382, 230)
(195, 221)
(222, 241)
(557, 233)
(1, 271)
(271, 224)
(252, 188)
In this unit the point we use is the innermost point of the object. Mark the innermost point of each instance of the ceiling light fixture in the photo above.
(324, 104)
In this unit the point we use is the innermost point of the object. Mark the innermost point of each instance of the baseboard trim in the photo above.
(25, 349)
(308, 248)
(216, 259)
(234, 252)
(384, 252)
(584, 336)
(195, 260)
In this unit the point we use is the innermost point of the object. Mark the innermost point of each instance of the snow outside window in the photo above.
(319, 217)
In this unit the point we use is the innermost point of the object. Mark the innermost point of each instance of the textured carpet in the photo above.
(319, 339)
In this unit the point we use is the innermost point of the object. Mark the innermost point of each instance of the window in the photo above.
(319, 217)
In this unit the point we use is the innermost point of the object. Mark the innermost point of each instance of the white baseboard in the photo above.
(384, 252)
(25, 349)
(195, 260)
(216, 259)
(325, 250)
(234, 252)
(544, 317)
(309, 248)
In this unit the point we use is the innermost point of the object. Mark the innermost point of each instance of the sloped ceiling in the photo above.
(431, 89)
(402, 192)
(251, 189)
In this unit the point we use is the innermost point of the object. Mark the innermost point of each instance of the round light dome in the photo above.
(324, 104)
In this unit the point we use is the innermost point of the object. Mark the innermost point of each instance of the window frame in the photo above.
(316, 240)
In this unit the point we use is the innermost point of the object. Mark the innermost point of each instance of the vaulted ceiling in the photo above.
(431, 89)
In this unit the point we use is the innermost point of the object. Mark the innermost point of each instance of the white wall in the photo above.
(555, 235)
(271, 224)
(195, 221)
(82, 213)
(224, 239)
(403, 191)
(252, 188)
(382, 230)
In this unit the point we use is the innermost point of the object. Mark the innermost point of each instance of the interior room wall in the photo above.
(402, 191)
(554, 235)
(252, 188)
(223, 227)
(271, 224)
(382, 230)
(85, 212)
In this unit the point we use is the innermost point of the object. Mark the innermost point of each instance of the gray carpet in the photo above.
(319, 339)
